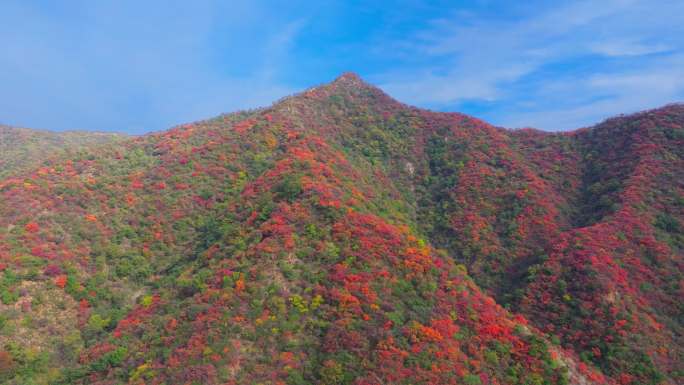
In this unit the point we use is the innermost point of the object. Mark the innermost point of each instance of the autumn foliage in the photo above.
(341, 237)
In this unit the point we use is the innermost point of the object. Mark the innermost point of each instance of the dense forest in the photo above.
(342, 237)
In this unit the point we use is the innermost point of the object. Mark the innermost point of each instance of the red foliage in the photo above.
(32, 227)
(60, 281)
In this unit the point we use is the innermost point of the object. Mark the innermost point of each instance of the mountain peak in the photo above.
(352, 83)
(349, 84)
(350, 80)
(348, 76)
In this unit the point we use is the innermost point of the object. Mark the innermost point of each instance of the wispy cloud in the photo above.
(618, 48)
(613, 94)
(611, 56)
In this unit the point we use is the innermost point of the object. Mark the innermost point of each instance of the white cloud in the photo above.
(508, 62)
(467, 83)
(621, 93)
(618, 48)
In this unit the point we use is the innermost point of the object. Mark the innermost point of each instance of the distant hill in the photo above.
(23, 148)
(342, 237)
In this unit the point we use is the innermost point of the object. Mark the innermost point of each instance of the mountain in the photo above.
(23, 149)
(341, 237)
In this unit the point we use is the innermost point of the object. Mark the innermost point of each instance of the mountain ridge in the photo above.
(340, 236)
(29, 146)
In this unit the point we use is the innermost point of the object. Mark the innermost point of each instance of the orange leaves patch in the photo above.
(61, 281)
(32, 227)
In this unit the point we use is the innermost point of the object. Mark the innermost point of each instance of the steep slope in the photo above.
(250, 248)
(327, 239)
(22, 149)
(611, 287)
(508, 203)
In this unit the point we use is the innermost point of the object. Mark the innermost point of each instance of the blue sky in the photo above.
(140, 66)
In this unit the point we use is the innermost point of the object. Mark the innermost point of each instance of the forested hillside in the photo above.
(22, 149)
(341, 237)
